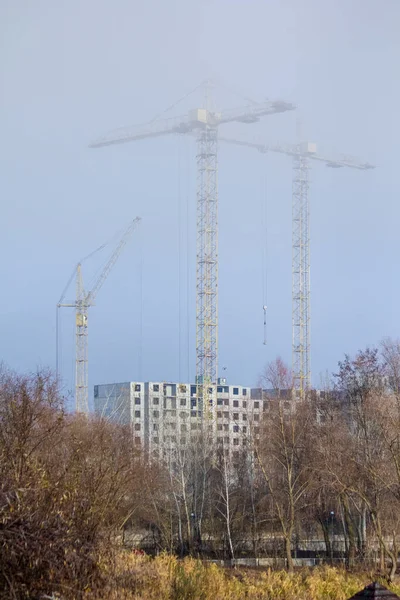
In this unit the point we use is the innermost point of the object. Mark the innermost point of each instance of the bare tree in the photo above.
(66, 485)
(390, 351)
(226, 486)
(281, 455)
(277, 375)
(353, 446)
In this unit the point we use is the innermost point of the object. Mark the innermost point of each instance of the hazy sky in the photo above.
(71, 71)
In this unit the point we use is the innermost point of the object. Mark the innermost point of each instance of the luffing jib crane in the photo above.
(301, 154)
(204, 122)
(84, 300)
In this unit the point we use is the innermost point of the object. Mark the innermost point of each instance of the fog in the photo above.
(71, 71)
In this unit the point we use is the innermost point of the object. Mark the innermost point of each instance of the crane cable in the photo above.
(189, 178)
(179, 262)
(59, 357)
(140, 345)
(264, 251)
(175, 104)
(235, 92)
(58, 353)
(73, 369)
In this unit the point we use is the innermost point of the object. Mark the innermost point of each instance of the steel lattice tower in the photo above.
(81, 359)
(301, 276)
(207, 262)
(83, 301)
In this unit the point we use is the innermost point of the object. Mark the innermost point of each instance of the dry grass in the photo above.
(167, 578)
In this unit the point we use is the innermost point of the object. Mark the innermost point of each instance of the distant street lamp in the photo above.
(193, 519)
(332, 516)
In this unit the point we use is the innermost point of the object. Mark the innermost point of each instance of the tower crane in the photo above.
(204, 123)
(83, 301)
(301, 154)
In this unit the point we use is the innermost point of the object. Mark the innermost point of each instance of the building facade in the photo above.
(166, 416)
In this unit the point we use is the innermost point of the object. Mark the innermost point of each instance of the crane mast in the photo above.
(83, 301)
(301, 154)
(204, 123)
(207, 265)
(81, 334)
(301, 367)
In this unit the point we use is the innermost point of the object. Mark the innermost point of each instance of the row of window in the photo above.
(194, 413)
(156, 388)
(226, 415)
(193, 389)
(225, 401)
(182, 402)
(167, 439)
(184, 428)
(193, 402)
(236, 441)
(220, 440)
(225, 389)
(157, 453)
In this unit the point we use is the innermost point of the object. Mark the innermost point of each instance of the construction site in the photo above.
(210, 129)
(200, 376)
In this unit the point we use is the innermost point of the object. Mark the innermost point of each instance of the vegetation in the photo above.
(66, 485)
(168, 578)
(327, 469)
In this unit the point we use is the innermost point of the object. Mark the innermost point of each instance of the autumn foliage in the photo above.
(66, 485)
(323, 470)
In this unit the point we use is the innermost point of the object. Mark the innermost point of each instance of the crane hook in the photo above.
(265, 324)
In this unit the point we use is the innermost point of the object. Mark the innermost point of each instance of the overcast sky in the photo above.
(71, 71)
